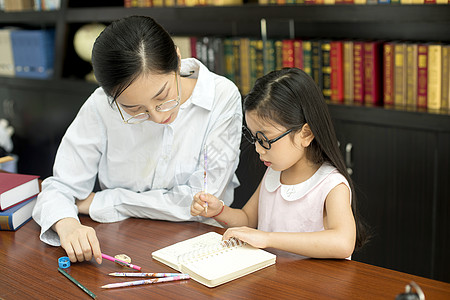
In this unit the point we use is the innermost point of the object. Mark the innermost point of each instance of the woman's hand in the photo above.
(201, 201)
(79, 241)
(253, 237)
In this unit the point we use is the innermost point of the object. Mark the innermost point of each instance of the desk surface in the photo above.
(28, 270)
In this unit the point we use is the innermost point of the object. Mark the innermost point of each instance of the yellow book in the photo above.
(245, 65)
(211, 261)
(411, 75)
(360, 1)
(400, 75)
(348, 71)
(445, 92)
(434, 76)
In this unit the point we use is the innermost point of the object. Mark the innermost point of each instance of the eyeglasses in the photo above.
(163, 107)
(261, 138)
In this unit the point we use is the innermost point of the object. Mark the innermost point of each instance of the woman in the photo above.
(143, 135)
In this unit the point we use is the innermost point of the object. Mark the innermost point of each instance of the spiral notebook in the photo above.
(211, 261)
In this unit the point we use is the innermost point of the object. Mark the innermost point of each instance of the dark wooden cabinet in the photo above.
(400, 160)
(396, 160)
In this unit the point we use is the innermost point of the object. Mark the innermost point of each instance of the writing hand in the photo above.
(199, 203)
(79, 241)
(251, 236)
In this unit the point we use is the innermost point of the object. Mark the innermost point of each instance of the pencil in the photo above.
(146, 281)
(77, 283)
(121, 262)
(135, 274)
(6, 159)
(205, 182)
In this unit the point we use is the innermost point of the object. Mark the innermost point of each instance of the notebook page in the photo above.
(169, 255)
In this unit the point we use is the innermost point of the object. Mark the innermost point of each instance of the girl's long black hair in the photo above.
(289, 97)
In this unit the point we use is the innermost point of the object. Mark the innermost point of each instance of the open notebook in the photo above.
(211, 261)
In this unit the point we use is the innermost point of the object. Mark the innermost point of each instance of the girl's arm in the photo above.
(336, 241)
(230, 217)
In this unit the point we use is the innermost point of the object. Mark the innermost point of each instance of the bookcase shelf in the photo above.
(392, 149)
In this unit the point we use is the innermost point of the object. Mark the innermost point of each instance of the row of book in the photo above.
(357, 2)
(18, 193)
(27, 53)
(160, 3)
(25, 5)
(373, 73)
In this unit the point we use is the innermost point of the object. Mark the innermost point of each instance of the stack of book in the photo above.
(27, 53)
(18, 193)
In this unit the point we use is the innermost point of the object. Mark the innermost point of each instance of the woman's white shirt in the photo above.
(145, 170)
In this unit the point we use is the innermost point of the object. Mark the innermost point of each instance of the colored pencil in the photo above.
(146, 281)
(136, 274)
(121, 262)
(77, 283)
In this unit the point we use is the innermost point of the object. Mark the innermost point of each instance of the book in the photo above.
(348, 71)
(15, 188)
(434, 76)
(388, 74)
(372, 73)
(358, 72)
(6, 59)
(288, 53)
(422, 76)
(337, 69)
(211, 261)
(400, 74)
(411, 75)
(445, 91)
(326, 69)
(16, 216)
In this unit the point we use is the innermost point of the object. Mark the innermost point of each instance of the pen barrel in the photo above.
(146, 281)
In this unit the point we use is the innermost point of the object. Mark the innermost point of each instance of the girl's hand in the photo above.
(201, 200)
(253, 237)
(79, 241)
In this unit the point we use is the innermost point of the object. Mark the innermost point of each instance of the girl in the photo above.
(305, 202)
(142, 134)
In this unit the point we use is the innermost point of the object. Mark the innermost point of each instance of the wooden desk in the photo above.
(28, 270)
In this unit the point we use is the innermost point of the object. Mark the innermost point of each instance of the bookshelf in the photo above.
(391, 150)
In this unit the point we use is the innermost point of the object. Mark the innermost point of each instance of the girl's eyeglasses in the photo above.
(261, 138)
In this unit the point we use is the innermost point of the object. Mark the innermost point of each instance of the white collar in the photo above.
(296, 191)
(204, 90)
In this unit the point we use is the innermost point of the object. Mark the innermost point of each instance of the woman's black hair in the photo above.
(289, 97)
(131, 47)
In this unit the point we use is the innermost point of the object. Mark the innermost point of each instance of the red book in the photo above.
(298, 54)
(16, 188)
(288, 53)
(358, 72)
(422, 76)
(337, 72)
(372, 73)
(193, 46)
(388, 74)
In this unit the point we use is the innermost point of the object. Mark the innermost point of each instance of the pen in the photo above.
(121, 262)
(205, 183)
(135, 274)
(77, 283)
(146, 281)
